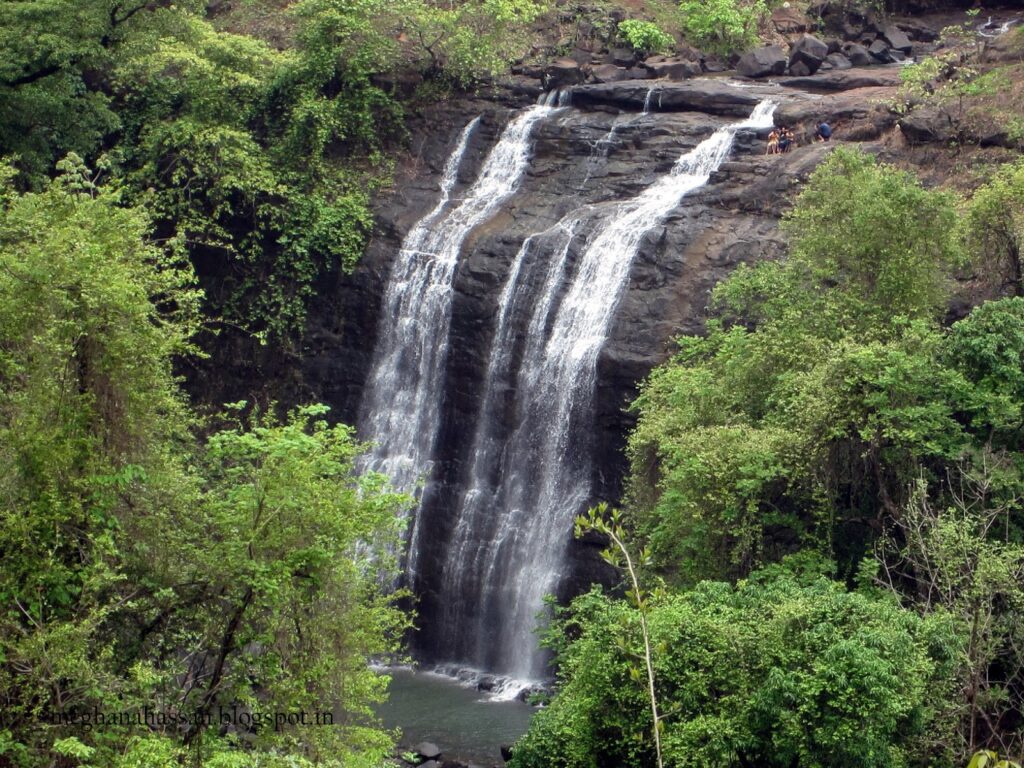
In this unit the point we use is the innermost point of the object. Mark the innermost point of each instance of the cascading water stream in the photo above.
(403, 395)
(524, 488)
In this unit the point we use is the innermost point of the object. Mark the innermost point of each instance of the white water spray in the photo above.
(400, 408)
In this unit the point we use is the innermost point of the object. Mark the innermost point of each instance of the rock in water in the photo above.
(428, 750)
(808, 51)
(762, 62)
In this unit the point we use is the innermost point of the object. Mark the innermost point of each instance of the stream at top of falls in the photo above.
(530, 465)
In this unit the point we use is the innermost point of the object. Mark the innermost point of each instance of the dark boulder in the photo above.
(762, 62)
(609, 73)
(529, 69)
(623, 57)
(858, 55)
(706, 95)
(506, 752)
(638, 73)
(928, 125)
(672, 69)
(896, 38)
(486, 683)
(562, 72)
(879, 50)
(713, 64)
(799, 69)
(838, 61)
(919, 30)
(845, 80)
(808, 51)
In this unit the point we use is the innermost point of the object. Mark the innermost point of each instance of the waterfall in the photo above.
(525, 485)
(400, 408)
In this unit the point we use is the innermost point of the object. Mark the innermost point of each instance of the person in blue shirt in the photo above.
(824, 132)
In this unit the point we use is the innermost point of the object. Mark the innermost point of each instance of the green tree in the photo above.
(143, 568)
(58, 57)
(645, 37)
(995, 226)
(92, 427)
(780, 670)
(722, 26)
(964, 563)
(817, 392)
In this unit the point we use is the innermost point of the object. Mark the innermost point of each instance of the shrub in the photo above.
(645, 36)
(780, 670)
(722, 26)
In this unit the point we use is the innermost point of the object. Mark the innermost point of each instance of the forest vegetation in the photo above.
(827, 487)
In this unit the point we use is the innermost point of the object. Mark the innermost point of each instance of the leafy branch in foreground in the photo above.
(986, 758)
(619, 557)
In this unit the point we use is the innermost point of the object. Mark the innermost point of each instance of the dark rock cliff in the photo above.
(731, 220)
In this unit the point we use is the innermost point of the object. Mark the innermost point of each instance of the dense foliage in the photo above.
(259, 160)
(722, 26)
(996, 226)
(645, 36)
(829, 420)
(805, 409)
(772, 672)
(146, 571)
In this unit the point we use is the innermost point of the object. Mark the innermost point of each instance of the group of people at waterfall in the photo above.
(782, 139)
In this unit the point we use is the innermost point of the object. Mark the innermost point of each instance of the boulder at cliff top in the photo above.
(762, 62)
(609, 73)
(623, 57)
(845, 79)
(672, 69)
(562, 72)
(808, 51)
(928, 124)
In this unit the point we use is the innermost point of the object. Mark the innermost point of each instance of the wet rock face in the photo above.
(578, 160)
